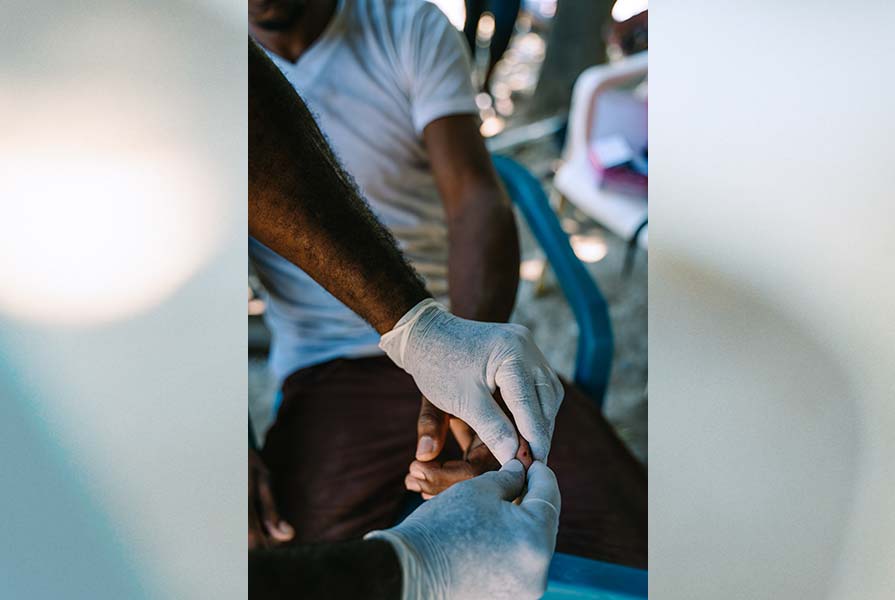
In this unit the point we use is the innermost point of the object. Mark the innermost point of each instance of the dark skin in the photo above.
(355, 569)
(303, 206)
(483, 243)
(331, 232)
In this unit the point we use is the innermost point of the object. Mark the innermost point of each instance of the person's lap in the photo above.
(345, 434)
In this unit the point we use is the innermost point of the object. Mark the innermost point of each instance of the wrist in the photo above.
(423, 566)
(394, 342)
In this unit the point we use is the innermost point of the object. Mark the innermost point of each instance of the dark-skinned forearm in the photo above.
(356, 569)
(484, 257)
(306, 208)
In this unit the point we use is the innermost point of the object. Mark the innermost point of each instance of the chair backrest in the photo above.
(590, 85)
(577, 578)
(595, 344)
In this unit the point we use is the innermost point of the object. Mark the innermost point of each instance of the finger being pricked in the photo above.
(432, 478)
(478, 453)
(533, 398)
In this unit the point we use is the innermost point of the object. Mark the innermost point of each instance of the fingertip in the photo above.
(523, 454)
(417, 471)
(412, 484)
(514, 466)
(280, 531)
(286, 529)
(505, 450)
(538, 450)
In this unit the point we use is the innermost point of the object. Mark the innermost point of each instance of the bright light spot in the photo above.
(501, 90)
(454, 10)
(504, 107)
(532, 46)
(531, 269)
(486, 29)
(623, 10)
(517, 82)
(89, 237)
(589, 249)
(548, 8)
(491, 126)
(483, 101)
(570, 225)
(256, 307)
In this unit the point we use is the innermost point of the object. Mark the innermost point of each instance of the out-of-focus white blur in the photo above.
(772, 425)
(122, 307)
(454, 10)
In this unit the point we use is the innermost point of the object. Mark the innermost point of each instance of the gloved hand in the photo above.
(457, 364)
(471, 541)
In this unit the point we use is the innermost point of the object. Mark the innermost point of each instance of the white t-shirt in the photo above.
(381, 72)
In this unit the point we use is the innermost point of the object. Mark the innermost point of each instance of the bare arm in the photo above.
(484, 245)
(306, 208)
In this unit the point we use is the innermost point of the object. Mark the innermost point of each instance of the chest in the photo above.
(362, 104)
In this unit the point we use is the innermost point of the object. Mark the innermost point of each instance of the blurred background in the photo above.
(122, 322)
(528, 113)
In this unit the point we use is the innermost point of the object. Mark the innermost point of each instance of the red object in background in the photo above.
(624, 180)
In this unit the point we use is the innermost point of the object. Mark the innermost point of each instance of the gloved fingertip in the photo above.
(505, 450)
(539, 451)
(513, 466)
(536, 465)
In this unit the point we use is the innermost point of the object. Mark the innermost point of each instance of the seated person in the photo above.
(389, 83)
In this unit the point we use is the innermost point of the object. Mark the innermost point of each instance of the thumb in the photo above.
(493, 427)
(431, 430)
(506, 483)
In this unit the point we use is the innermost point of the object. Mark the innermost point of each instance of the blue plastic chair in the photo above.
(573, 576)
(595, 344)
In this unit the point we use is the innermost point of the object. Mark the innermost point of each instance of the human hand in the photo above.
(266, 528)
(458, 364)
(430, 476)
(472, 541)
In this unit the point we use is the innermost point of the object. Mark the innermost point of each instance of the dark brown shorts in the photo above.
(345, 434)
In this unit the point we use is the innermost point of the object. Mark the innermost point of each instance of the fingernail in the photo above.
(286, 528)
(426, 445)
(417, 473)
(413, 486)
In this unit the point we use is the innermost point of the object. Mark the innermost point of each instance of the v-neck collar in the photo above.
(314, 58)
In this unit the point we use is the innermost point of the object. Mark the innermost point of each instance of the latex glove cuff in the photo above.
(423, 566)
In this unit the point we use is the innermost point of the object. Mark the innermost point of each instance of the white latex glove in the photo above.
(472, 542)
(457, 364)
